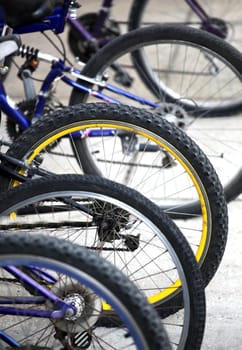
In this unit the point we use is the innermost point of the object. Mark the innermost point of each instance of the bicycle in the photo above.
(205, 223)
(220, 18)
(91, 41)
(94, 30)
(150, 138)
(52, 293)
(126, 229)
(184, 111)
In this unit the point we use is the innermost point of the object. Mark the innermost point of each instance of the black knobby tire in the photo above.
(103, 187)
(217, 209)
(93, 265)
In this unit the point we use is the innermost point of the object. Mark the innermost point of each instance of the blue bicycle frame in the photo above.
(57, 70)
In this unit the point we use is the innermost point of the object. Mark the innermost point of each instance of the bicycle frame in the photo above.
(102, 15)
(205, 18)
(44, 294)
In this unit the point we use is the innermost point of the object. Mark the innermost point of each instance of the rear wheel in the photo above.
(125, 228)
(190, 76)
(146, 153)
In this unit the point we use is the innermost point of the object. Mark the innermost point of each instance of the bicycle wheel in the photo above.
(126, 229)
(178, 64)
(224, 15)
(146, 153)
(63, 273)
(182, 58)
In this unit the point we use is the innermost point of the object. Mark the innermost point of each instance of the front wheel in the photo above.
(143, 151)
(58, 273)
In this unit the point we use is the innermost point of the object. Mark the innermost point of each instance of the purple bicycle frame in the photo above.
(44, 294)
